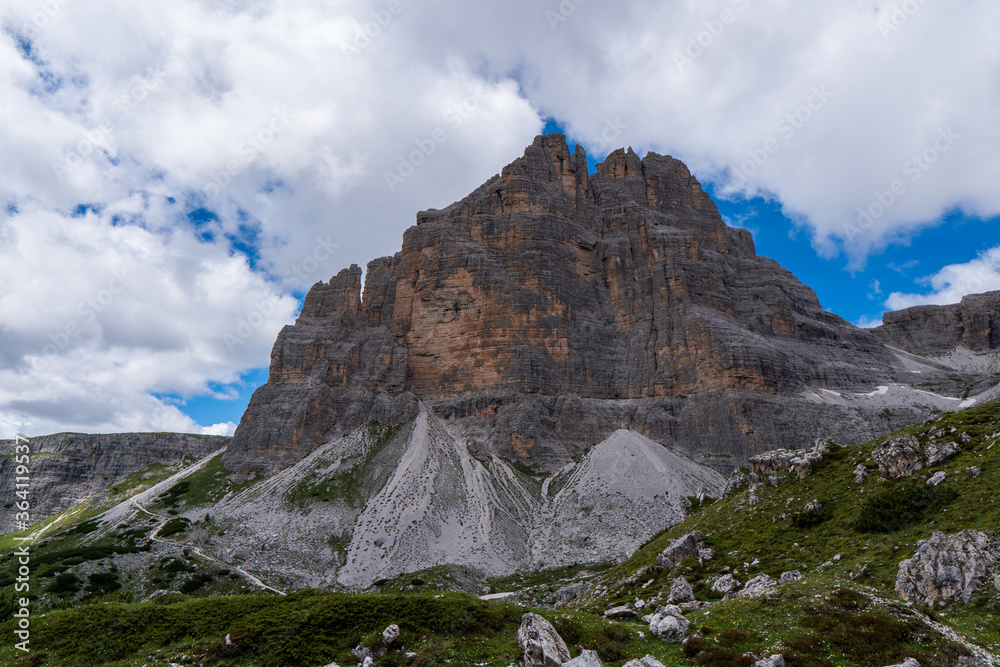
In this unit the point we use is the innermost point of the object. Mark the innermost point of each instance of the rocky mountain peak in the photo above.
(550, 308)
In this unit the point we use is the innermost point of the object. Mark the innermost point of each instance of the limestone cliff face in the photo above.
(69, 468)
(933, 330)
(550, 308)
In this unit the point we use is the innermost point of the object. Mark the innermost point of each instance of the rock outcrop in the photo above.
(69, 468)
(936, 330)
(539, 643)
(951, 568)
(551, 307)
(898, 457)
(691, 545)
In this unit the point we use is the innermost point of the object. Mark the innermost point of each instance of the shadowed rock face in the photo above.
(68, 468)
(932, 330)
(549, 308)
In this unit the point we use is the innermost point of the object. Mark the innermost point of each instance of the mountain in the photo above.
(552, 307)
(546, 374)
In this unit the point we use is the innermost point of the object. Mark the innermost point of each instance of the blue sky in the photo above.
(178, 173)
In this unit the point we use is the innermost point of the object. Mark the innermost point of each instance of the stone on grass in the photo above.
(687, 546)
(680, 591)
(898, 457)
(390, 634)
(624, 611)
(786, 577)
(539, 643)
(725, 584)
(669, 624)
(648, 661)
(937, 478)
(585, 659)
(774, 661)
(950, 568)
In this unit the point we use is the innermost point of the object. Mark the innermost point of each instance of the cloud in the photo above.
(230, 153)
(866, 322)
(953, 282)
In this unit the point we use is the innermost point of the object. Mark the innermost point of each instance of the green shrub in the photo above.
(810, 518)
(65, 584)
(174, 526)
(901, 504)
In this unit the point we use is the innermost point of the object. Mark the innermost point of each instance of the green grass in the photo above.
(311, 628)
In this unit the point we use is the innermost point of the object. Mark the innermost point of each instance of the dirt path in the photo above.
(163, 521)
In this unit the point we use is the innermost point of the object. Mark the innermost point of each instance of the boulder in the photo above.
(774, 661)
(648, 661)
(950, 568)
(937, 478)
(680, 591)
(669, 624)
(860, 472)
(725, 584)
(368, 662)
(787, 577)
(687, 546)
(390, 634)
(586, 659)
(938, 454)
(898, 457)
(973, 472)
(965, 438)
(569, 593)
(539, 643)
(909, 662)
(758, 586)
(624, 611)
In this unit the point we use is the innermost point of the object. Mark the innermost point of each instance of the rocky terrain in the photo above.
(72, 468)
(551, 307)
(973, 324)
(878, 554)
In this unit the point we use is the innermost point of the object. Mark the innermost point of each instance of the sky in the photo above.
(175, 174)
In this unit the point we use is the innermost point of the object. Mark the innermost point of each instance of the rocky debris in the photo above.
(950, 568)
(801, 461)
(860, 574)
(938, 454)
(669, 624)
(332, 664)
(973, 472)
(568, 593)
(624, 611)
(908, 662)
(787, 577)
(368, 662)
(814, 506)
(937, 478)
(648, 661)
(759, 586)
(898, 457)
(752, 497)
(539, 643)
(737, 480)
(970, 661)
(390, 634)
(586, 659)
(935, 330)
(965, 438)
(725, 584)
(860, 472)
(935, 432)
(773, 661)
(680, 591)
(362, 653)
(688, 546)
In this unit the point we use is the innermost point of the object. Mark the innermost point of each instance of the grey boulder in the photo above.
(585, 659)
(669, 624)
(539, 643)
(950, 568)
